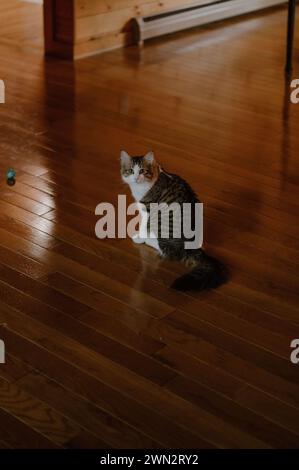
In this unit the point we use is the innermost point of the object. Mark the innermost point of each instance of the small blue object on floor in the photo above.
(11, 177)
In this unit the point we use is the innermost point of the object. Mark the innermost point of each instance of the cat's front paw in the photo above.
(137, 239)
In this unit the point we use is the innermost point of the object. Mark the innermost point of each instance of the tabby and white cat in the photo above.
(149, 183)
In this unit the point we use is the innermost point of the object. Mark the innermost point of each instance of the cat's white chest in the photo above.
(139, 190)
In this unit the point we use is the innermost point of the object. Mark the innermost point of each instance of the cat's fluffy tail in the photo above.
(208, 273)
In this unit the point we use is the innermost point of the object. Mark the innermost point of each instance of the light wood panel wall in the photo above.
(59, 27)
(78, 28)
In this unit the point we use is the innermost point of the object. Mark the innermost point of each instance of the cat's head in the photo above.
(139, 170)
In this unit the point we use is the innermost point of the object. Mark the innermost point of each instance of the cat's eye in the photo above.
(129, 172)
(141, 171)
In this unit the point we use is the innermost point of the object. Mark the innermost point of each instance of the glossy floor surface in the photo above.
(99, 351)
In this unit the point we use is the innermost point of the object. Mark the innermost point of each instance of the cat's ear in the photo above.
(149, 157)
(125, 158)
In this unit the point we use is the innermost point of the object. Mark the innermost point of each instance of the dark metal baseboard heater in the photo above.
(195, 14)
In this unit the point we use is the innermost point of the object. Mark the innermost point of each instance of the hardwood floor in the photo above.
(100, 352)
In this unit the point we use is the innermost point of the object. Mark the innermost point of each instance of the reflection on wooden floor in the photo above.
(100, 352)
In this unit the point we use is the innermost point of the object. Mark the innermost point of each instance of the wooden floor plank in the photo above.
(228, 363)
(113, 431)
(45, 294)
(136, 355)
(242, 416)
(82, 379)
(37, 416)
(20, 435)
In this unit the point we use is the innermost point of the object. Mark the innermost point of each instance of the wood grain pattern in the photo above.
(100, 352)
(80, 28)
